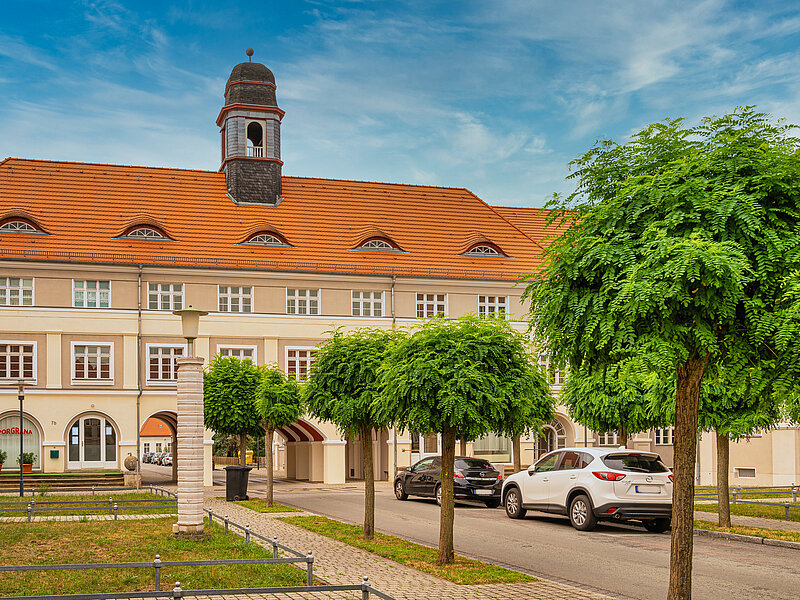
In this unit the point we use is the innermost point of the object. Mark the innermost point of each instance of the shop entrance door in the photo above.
(92, 443)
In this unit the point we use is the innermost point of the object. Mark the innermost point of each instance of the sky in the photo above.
(496, 97)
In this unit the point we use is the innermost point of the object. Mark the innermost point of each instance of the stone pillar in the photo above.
(190, 447)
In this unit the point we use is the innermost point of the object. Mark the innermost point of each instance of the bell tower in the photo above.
(250, 126)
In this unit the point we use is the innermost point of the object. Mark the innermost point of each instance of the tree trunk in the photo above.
(622, 436)
(447, 512)
(516, 451)
(243, 449)
(369, 483)
(687, 401)
(463, 451)
(723, 461)
(270, 464)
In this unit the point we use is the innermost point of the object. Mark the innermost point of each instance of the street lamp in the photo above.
(21, 396)
(189, 437)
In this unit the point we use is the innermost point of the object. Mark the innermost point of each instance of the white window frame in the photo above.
(310, 349)
(368, 301)
(664, 436)
(240, 296)
(5, 283)
(307, 299)
(497, 306)
(435, 302)
(28, 227)
(75, 381)
(263, 146)
(152, 381)
(146, 448)
(609, 438)
(160, 293)
(97, 290)
(28, 381)
(221, 347)
(738, 471)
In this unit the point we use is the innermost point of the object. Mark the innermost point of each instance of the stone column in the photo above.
(190, 447)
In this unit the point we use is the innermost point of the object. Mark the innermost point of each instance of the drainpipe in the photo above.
(394, 435)
(139, 380)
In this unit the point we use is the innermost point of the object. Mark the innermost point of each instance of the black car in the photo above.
(473, 479)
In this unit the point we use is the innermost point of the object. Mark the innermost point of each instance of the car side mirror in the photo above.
(531, 470)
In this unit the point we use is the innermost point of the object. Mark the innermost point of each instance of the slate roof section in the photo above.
(84, 206)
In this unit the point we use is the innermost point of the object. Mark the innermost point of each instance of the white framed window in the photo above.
(367, 304)
(90, 293)
(265, 239)
(429, 305)
(158, 446)
(665, 436)
(16, 291)
(255, 138)
(302, 301)
(235, 298)
(554, 376)
(483, 250)
(145, 233)
(489, 305)
(92, 362)
(17, 227)
(609, 438)
(745, 472)
(298, 361)
(240, 352)
(146, 447)
(165, 296)
(161, 364)
(18, 361)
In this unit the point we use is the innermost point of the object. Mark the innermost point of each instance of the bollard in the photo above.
(115, 511)
(177, 592)
(110, 505)
(275, 546)
(247, 534)
(226, 524)
(157, 567)
(310, 567)
(786, 506)
(29, 513)
(365, 588)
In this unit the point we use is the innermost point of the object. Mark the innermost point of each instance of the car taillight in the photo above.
(608, 475)
(670, 476)
(499, 476)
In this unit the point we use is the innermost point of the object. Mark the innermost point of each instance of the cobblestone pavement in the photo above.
(339, 563)
(750, 521)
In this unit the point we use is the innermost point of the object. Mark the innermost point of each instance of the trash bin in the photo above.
(236, 482)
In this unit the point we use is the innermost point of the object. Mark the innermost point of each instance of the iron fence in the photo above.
(102, 490)
(737, 492)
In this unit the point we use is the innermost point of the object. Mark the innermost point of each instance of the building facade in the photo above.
(94, 258)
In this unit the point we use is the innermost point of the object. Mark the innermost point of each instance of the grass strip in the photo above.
(774, 534)
(416, 556)
(99, 506)
(260, 505)
(129, 541)
(754, 510)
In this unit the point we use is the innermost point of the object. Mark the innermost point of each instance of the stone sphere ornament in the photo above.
(131, 462)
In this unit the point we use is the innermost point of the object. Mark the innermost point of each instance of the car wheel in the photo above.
(513, 504)
(492, 503)
(439, 495)
(580, 514)
(658, 525)
(400, 490)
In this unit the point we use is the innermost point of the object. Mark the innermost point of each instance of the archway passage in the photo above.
(158, 437)
(305, 459)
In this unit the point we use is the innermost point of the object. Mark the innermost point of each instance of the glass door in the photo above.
(92, 443)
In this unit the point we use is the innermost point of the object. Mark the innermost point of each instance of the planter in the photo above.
(27, 468)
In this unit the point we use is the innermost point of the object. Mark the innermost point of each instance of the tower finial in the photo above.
(249, 53)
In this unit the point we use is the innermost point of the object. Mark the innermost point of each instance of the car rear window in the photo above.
(473, 463)
(637, 463)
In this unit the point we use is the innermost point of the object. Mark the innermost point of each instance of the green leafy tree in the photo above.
(230, 389)
(466, 377)
(679, 243)
(343, 387)
(279, 405)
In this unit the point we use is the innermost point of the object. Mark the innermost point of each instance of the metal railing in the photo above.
(100, 489)
(761, 490)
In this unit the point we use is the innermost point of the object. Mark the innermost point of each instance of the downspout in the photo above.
(394, 435)
(139, 380)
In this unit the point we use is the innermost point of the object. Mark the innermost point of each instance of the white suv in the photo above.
(592, 484)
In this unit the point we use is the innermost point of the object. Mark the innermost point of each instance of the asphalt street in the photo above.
(621, 561)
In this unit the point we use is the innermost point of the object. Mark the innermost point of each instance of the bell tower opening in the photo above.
(255, 140)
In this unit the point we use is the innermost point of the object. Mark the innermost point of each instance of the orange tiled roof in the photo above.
(532, 221)
(85, 207)
(155, 428)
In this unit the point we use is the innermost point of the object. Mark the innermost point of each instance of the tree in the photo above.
(279, 405)
(678, 245)
(343, 387)
(229, 393)
(466, 377)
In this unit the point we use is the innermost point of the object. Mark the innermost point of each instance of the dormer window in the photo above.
(266, 239)
(145, 233)
(18, 226)
(378, 245)
(255, 139)
(485, 250)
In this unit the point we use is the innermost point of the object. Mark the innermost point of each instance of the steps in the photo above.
(9, 482)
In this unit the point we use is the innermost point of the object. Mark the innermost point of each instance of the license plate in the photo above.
(483, 492)
(648, 489)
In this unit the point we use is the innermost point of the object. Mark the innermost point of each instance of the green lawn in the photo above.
(260, 505)
(775, 534)
(422, 558)
(129, 541)
(752, 510)
(99, 506)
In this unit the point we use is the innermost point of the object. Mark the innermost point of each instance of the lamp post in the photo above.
(21, 396)
(189, 438)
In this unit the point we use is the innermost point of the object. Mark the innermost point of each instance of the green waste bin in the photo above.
(236, 482)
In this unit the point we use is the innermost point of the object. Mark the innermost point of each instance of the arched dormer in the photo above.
(264, 234)
(478, 245)
(144, 228)
(373, 239)
(20, 221)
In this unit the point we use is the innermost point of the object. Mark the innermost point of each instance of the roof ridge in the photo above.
(94, 164)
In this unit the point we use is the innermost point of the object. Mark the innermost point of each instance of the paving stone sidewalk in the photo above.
(338, 563)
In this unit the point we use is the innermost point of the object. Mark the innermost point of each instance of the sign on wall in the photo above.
(9, 440)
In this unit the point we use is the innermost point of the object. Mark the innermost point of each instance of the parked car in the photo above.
(473, 479)
(167, 459)
(594, 484)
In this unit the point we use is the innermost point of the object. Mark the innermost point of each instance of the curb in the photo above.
(747, 539)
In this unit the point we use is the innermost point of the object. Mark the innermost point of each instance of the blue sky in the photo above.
(493, 96)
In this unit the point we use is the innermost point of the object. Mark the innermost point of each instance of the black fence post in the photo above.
(210, 517)
(247, 534)
(115, 511)
(365, 588)
(177, 592)
(310, 567)
(226, 524)
(794, 493)
(110, 505)
(157, 567)
(786, 506)
(29, 513)
(275, 547)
